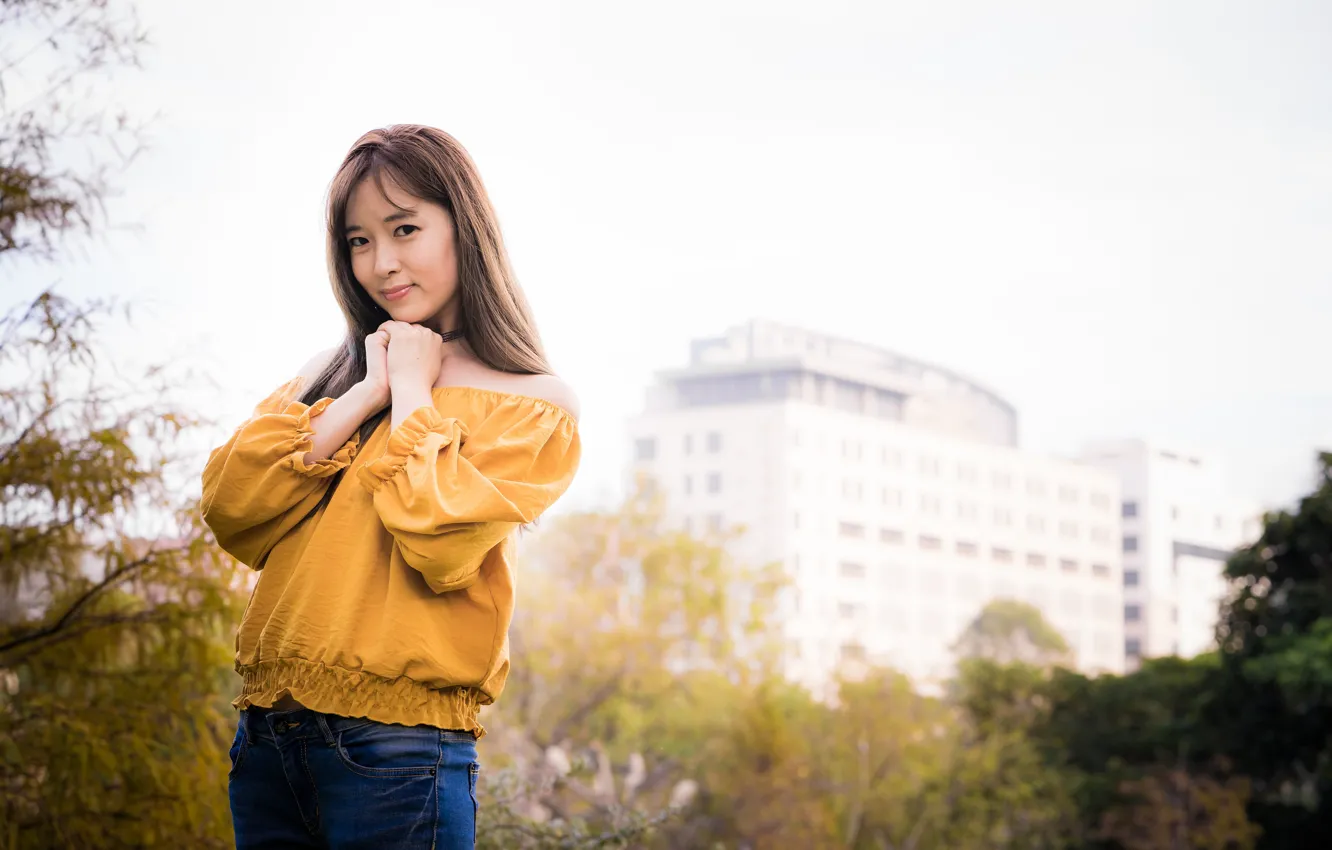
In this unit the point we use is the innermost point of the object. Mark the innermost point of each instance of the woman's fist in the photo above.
(376, 367)
(415, 354)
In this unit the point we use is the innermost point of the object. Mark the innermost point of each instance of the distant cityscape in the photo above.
(897, 497)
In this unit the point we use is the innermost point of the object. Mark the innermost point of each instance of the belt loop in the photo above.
(329, 738)
(245, 724)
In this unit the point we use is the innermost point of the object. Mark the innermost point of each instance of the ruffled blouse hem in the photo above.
(405, 440)
(304, 443)
(355, 693)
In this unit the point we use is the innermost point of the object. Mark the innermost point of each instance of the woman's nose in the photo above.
(386, 261)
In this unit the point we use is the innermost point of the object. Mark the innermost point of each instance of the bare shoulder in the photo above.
(317, 364)
(551, 388)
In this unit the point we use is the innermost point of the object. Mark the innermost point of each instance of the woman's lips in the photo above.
(397, 292)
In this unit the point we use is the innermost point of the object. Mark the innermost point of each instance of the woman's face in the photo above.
(405, 260)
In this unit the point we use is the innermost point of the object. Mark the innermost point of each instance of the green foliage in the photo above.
(1275, 691)
(115, 627)
(54, 58)
(1007, 630)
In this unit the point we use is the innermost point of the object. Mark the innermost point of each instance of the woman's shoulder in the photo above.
(317, 364)
(551, 388)
(548, 388)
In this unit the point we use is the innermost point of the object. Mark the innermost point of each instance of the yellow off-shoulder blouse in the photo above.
(393, 600)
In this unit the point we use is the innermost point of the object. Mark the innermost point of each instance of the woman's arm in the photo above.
(276, 467)
(344, 416)
(449, 496)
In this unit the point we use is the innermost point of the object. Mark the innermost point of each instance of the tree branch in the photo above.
(83, 601)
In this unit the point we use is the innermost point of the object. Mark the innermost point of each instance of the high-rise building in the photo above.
(1180, 525)
(894, 493)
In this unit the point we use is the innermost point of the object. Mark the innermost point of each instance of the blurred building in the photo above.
(1179, 527)
(893, 491)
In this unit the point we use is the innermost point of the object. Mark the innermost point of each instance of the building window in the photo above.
(1003, 516)
(852, 491)
(966, 548)
(714, 482)
(795, 520)
(1068, 495)
(851, 529)
(966, 473)
(1132, 613)
(1100, 570)
(966, 511)
(1068, 529)
(1100, 500)
(1035, 524)
(1130, 578)
(1100, 535)
(1035, 487)
(1130, 543)
(891, 498)
(688, 485)
(1133, 648)
(1129, 510)
(851, 570)
(1174, 615)
(1174, 512)
(890, 535)
(1068, 565)
(714, 522)
(645, 448)
(929, 504)
(1003, 556)
(930, 542)
(689, 444)
(846, 610)
(714, 442)
(1002, 481)
(1035, 559)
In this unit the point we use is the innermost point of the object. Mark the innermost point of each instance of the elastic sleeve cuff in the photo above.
(406, 439)
(323, 467)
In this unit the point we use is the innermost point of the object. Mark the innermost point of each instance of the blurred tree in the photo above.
(1275, 692)
(1180, 810)
(117, 610)
(1007, 630)
(630, 644)
(999, 788)
(54, 55)
(889, 746)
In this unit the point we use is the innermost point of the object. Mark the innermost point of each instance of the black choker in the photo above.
(451, 335)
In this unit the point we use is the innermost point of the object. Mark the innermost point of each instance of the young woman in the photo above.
(378, 493)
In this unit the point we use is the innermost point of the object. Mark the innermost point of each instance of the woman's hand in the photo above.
(415, 354)
(375, 385)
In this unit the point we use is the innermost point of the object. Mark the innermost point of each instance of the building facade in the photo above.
(1179, 526)
(893, 492)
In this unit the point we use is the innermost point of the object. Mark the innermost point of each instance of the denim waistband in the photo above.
(296, 724)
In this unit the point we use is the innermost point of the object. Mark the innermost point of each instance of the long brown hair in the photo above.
(495, 318)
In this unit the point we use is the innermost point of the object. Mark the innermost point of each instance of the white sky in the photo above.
(1115, 214)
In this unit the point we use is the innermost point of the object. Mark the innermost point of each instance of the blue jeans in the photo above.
(303, 779)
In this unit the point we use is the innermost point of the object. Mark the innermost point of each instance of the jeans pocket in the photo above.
(239, 747)
(388, 750)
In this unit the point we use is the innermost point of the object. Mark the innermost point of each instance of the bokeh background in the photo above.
(1112, 214)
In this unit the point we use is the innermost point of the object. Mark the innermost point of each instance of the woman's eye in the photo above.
(357, 241)
(403, 227)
